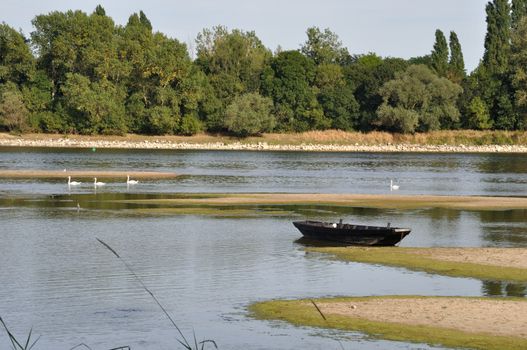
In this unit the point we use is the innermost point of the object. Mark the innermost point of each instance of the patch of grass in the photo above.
(414, 259)
(212, 211)
(303, 313)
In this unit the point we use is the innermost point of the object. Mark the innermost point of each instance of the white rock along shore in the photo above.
(260, 146)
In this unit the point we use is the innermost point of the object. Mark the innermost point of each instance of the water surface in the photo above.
(58, 279)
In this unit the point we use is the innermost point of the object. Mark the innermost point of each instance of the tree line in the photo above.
(82, 73)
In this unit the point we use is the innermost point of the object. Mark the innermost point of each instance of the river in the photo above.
(57, 279)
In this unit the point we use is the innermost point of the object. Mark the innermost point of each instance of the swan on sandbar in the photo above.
(131, 182)
(95, 183)
(73, 183)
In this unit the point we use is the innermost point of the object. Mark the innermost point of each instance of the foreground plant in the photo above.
(15, 343)
(183, 341)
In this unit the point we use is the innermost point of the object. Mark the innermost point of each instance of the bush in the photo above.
(190, 125)
(249, 114)
(13, 112)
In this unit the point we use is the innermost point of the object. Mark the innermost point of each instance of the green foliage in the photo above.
(237, 55)
(288, 81)
(190, 125)
(368, 74)
(13, 112)
(17, 64)
(249, 114)
(418, 100)
(439, 56)
(324, 47)
(497, 39)
(456, 65)
(97, 107)
(518, 11)
(161, 120)
(336, 97)
(519, 70)
(478, 115)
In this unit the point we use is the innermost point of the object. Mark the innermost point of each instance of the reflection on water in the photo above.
(430, 227)
(504, 289)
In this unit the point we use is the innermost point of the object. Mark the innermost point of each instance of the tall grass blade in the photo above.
(208, 341)
(320, 312)
(183, 342)
(12, 338)
(325, 319)
(80, 345)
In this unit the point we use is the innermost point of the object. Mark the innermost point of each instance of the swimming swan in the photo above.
(393, 187)
(95, 183)
(131, 182)
(73, 183)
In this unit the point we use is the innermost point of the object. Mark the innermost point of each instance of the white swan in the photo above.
(393, 187)
(73, 183)
(131, 182)
(95, 183)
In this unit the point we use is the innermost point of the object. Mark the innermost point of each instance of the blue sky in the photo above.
(397, 28)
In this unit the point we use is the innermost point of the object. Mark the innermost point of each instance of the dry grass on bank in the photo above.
(336, 137)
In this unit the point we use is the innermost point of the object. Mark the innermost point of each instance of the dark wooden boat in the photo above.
(352, 234)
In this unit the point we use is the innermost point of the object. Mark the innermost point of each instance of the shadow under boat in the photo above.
(351, 234)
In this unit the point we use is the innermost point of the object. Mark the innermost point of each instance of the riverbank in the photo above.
(500, 264)
(326, 141)
(478, 323)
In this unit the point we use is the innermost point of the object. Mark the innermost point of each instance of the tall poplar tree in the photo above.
(519, 10)
(456, 66)
(439, 56)
(497, 40)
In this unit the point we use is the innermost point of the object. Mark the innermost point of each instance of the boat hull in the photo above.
(352, 234)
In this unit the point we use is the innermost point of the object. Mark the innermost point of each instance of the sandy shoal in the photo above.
(495, 317)
(502, 257)
(366, 200)
(35, 174)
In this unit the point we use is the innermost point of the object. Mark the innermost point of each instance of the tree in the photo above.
(237, 54)
(418, 100)
(518, 11)
(495, 86)
(13, 112)
(233, 61)
(519, 70)
(367, 74)
(288, 81)
(439, 56)
(97, 107)
(249, 114)
(478, 115)
(323, 47)
(497, 39)
(336, 97)
(456, 65)
(17, 63)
